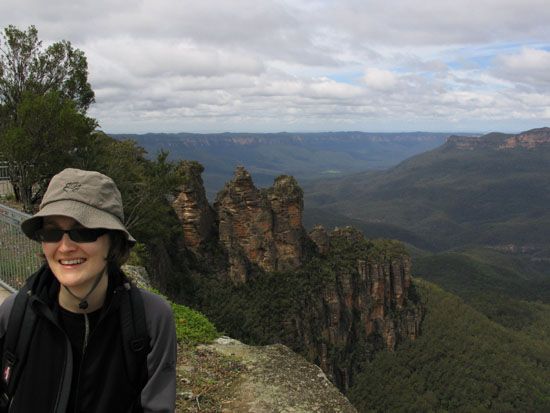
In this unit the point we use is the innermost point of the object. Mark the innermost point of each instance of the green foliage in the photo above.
(145, 184)
(192, 327)
(449, 197)
(473, 271)
(146, 187)
(500, 286)
(271, 307)
(25, 67)
(48, 135)
(462, 362)
(44, 95)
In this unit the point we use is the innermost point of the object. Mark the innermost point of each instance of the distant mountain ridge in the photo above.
(247, 138)
(305, 156)
(501, 141)
(491, 190)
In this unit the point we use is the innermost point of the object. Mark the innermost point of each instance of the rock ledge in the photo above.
(275, 379)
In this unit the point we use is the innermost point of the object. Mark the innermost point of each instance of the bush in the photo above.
(192, 327)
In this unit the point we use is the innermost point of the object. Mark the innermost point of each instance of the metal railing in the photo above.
(6, 189)
(18, 254)
(4, 175)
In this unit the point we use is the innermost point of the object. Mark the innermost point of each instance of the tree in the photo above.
(25, 67)
(48, 135)
(44, 95)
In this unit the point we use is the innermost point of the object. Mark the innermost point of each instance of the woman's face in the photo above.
(75, 265)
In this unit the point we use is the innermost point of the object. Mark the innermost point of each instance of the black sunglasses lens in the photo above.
(76, 234)
(85, 234)
(49, 235)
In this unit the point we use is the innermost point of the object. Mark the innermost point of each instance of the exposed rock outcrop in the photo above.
(138, 275)
(260, 228)
(286, 200)
(320, 237)
(367, 306)
(275, 379)
(500, 141)
(192, 208)
(361, 305)
(529, 140)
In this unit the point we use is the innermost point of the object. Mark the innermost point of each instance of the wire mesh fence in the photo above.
(18, 255)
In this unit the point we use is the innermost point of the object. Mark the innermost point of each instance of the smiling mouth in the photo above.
(72, 262)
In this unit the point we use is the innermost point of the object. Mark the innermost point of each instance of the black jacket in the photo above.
(102, 384)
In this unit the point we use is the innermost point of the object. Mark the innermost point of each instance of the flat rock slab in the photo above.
(4, 294)
(276, 379)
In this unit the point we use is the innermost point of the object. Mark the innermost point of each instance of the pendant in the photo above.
(83, 305)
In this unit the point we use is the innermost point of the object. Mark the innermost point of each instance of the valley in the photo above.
(455, 312)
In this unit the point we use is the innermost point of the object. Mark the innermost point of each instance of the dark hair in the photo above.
(119, 250)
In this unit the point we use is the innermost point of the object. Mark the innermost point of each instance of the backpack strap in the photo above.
(21, 325)
(134, 333)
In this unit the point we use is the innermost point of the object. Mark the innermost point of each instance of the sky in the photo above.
(297, 66)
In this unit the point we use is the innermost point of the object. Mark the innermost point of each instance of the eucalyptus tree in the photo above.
(44, 96)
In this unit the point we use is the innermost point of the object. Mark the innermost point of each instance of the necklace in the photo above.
(83, 304)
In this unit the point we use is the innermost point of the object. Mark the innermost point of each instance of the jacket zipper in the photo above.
(63, 391)
(86, 333)
(87, 336)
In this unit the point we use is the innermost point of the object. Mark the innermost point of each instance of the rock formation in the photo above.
(192, 208)
(367, 306)
(260, 229)
(320, 237)
(529, 140)
(275, 379)
(363, 306)
(286, 200)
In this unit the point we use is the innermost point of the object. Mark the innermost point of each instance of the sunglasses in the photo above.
(75, 234)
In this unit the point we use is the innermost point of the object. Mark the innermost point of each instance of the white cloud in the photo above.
(380, 79)
(528, 67)
(168, 65)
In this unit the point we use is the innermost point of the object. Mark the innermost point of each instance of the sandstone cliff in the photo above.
(366, 303)
(192, 208)
(499, 141)
(260, 229)
(333, 296)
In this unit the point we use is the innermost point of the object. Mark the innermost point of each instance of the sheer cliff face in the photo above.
(260, 229)
(363, 305)
(192, 208)
(367, 305)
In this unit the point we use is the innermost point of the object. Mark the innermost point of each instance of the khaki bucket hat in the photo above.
(88, 197)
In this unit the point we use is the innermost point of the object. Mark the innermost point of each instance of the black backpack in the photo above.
(21, 325)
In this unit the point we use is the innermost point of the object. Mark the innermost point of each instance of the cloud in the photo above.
(435, 22)
(529, 67)
(168, 65)
(379, 79)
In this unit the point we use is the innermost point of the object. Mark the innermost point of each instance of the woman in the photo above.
(77, 358)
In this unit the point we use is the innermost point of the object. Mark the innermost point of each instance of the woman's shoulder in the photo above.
(155, 304)
(158, 315)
